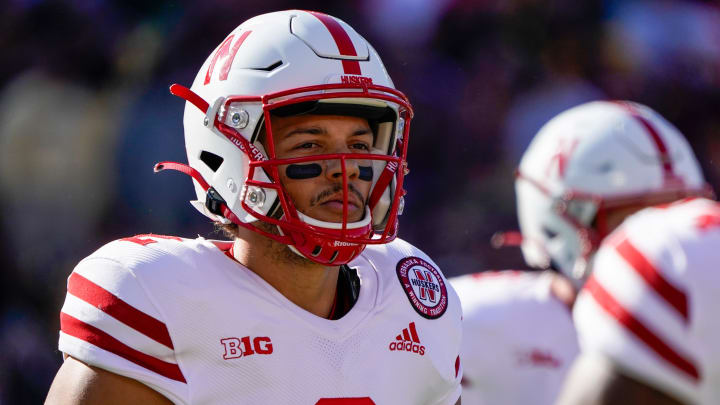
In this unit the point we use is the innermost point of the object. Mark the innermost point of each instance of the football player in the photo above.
(646, 315)
(296, 142)
(584, 172)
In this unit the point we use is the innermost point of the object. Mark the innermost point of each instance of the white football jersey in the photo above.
(185, 319)
(518, 340)
(651, 304)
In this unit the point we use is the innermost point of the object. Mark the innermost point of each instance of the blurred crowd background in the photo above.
(85, 113)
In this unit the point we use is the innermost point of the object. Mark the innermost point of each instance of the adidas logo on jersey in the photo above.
(408, 341)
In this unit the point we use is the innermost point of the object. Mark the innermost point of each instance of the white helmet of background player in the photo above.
(590, 159)
(288, 63)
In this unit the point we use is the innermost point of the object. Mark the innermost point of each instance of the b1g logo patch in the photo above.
(424, 287)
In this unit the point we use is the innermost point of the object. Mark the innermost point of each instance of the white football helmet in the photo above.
(287, 63)
(589, 159)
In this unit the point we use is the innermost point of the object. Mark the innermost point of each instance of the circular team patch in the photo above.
(424, 287)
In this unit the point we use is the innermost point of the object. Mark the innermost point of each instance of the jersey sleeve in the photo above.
(453, 395)
(446, 352)
(109, 321)
(634, 310)
(448, 361)
(444, 341)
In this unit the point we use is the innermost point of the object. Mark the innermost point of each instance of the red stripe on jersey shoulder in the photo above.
(642, 266)
(342, 40)
(147, 238)
(637, 328)
(81, 330)
(105, 301)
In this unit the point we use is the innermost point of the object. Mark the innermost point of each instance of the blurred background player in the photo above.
(296, 141)
(647, 317)
(583, 173)
(518, 338)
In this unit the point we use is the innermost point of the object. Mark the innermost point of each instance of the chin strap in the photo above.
(213, 201)
(190, 96)
(183, 168)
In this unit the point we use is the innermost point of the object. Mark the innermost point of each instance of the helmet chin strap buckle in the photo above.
(214, 202)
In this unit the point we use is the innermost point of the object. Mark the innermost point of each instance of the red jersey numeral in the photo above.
(146, 239)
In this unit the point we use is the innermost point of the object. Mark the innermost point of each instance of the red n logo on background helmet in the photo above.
(561, 157)
(225, 52)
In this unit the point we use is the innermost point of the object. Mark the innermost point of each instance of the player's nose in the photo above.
(335, 167)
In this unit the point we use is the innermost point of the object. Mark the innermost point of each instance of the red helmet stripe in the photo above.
(668, 173)
(342, 40)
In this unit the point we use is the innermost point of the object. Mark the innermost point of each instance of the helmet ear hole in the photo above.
(212, 160)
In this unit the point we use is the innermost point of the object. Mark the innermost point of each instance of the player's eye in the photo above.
(360, 146)
(306, 145)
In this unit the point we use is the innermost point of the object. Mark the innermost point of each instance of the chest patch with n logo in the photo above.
(424, 286)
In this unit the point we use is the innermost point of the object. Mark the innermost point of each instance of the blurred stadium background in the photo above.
(85, 113)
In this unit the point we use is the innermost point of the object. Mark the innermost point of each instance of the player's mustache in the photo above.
(333, 190)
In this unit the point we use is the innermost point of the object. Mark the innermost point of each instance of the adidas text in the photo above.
(408, 347)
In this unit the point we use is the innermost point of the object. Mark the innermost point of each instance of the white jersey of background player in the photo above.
(519, 340)
(582, 175)
(296, 142)
(650, 306)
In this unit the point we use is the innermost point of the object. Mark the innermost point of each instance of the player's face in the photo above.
(316, 187)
